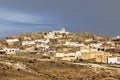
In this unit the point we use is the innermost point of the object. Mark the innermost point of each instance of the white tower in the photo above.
(63, 29)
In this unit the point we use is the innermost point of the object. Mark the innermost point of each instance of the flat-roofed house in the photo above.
(96, 56)
(60, 31)
(11, 50)
(12, 41)
(28, 43)
(114, 60)
(42, 40)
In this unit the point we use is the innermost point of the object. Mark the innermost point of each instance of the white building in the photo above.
(96, 45)
(11, 49)
(42, 40)
(78, 54)
(45, 47)
(28, 43)
(114, 60)
(84, 51)
(12, 40)
(76, 44)
(27, 38)
(57, 55)
(61, 31)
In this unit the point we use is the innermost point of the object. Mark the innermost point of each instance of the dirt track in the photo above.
(23, 68)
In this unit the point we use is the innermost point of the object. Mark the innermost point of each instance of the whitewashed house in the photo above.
(61, 31)
(65, 57)
(108, 42)
(43, 40)
(96, 45)
(117, 37)
(94, 50)
(72, 44)
(114, 60)
(51, 33)
(28, 43)
(84, 51)
(78, 54)
(43, 46)
(27, 38)
(11, 50)
(88, 40)
(59, 55)
(12, 40)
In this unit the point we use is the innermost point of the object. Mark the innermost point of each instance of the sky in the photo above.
(101, 17)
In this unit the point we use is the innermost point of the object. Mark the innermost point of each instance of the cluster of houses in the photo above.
(57, 46)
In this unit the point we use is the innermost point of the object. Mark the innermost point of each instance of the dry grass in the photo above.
(50, 70)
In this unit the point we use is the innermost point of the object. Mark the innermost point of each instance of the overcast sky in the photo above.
(96, 16)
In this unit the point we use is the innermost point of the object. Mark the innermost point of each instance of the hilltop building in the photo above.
(61, 31)
(12, 40)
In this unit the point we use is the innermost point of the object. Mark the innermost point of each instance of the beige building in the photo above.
(12, 41)
(97, 56)
(48, 36)
(103, 57)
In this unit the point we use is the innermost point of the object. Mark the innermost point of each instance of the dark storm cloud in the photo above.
(96, 16)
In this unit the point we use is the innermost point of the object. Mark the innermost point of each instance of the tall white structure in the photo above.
(63, 30)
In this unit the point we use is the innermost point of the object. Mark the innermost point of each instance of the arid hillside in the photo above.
(22, 68)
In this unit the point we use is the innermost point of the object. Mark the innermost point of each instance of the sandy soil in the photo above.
(24, 68)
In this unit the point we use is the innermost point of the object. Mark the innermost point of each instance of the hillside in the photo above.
(76, 35)
(18, 68)
(80, 37)
(41, 64)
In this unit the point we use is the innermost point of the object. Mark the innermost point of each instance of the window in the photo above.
(13, 50)
(10, 50)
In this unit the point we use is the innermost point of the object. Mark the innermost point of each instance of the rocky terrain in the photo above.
(25, 68)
